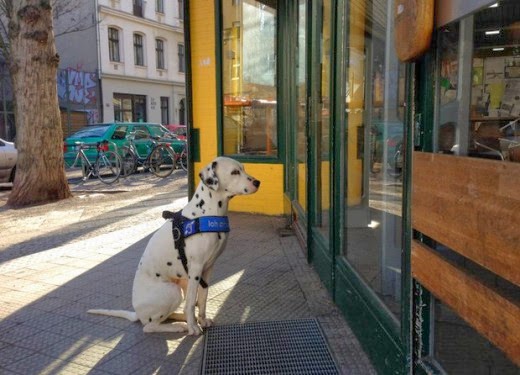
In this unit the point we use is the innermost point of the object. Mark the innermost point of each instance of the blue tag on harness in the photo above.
(206, 224)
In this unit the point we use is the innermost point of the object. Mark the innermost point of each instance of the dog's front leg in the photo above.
(202, 298)
(195, 273)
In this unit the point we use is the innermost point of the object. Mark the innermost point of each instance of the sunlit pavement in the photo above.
(60, 259)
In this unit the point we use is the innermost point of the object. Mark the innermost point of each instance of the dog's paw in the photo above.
(194, 330)
(205, 322)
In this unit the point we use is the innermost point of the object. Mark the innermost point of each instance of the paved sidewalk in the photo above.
(58, 260)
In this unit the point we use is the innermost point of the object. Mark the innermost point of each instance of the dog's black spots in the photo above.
(235, 172)
(209, 181)
(179, 257)
(200, 204)
(197, 278)
(150, 319)
(214, 165)
(245, 190)
(220, 204)
(202, 188)
(189, 277)
(209, 169)
(158, 274)
(230, 196)
(179, 275)
(169, 263)
(211, 196)
(196, 195)
(249, 179)
(193, 214)
(200, 175)
(218, 235)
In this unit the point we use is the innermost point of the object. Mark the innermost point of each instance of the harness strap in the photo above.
(183, 227)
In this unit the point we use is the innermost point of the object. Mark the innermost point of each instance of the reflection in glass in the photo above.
(479, 101)
(374, 156)
(249, 77)
(301, 98)
(322, 221)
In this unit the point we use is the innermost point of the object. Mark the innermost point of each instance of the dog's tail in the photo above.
(130, 315)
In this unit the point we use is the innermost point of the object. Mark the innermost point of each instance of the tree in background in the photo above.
(33, 63)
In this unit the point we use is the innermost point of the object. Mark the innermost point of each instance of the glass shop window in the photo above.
(478, 91)
(374, 110)
(249, 77)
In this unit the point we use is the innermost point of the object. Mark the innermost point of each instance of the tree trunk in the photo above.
(33, 63)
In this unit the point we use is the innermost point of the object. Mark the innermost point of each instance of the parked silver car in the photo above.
(8, 157)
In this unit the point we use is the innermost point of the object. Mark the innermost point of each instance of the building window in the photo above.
(159, 6)
(180, 52)
(181, 9)
(165, 110)
(129, 108)
(138, 8)
(249, 78)
(138, 50)
(113, 44)
(159, 53)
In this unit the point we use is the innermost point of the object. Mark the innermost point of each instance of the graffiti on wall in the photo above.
(77, 86)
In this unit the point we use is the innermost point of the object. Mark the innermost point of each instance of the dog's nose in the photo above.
(256, 183)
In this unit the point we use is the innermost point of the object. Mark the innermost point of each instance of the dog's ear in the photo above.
(208, 175)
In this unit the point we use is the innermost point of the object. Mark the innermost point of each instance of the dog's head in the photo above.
(228, 175)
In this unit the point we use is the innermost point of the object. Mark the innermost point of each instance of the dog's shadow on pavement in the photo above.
(54, 333)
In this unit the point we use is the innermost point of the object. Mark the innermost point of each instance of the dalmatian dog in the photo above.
(162, 281)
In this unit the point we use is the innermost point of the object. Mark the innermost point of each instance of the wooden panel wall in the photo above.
(472, 206)
(487, 311)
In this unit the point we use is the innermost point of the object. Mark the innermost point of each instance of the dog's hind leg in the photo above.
(178, 316)
(165, 327)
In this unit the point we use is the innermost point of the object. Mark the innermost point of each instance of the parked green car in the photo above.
(116, 134)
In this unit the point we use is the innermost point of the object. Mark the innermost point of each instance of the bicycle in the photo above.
(160, 159)
(106, 167)
(182, 158)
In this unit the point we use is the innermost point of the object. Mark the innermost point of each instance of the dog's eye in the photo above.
(236, 171)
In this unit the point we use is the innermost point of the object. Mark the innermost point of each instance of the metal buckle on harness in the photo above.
(176, 234)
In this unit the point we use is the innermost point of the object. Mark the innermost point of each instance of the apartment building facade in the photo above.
(121, 60)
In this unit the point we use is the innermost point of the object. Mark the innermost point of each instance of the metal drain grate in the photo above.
(279, 347)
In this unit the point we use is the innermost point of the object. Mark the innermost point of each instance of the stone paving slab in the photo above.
(60, 259)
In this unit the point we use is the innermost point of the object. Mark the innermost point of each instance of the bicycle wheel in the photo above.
(129, 161)
(183, 160)
(108, 167)
(162, 161)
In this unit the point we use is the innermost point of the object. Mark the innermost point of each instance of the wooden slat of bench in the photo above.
(472, 206)
(494, 316)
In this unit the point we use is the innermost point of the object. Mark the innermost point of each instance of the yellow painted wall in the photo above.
(269, 199)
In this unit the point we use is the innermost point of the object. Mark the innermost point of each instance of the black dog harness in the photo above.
(182, 227)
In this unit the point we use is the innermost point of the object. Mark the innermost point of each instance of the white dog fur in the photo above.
(160, 281)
